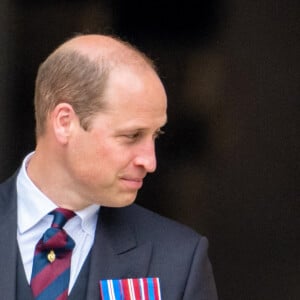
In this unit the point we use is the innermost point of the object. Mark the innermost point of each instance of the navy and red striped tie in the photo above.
(52, 258)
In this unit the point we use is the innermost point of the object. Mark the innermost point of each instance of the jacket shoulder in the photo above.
(150, 225)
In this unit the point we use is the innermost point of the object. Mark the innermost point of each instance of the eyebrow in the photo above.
(134, 128)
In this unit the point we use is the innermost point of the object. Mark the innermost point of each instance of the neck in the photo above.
(48, 175)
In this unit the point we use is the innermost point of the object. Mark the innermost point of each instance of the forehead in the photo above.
(140, 88)
(135, 97)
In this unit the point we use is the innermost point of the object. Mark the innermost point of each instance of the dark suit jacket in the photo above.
(130, 242)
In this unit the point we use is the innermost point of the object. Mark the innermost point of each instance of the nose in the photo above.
(146, 157)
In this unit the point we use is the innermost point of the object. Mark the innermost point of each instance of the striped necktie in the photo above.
(52, 258)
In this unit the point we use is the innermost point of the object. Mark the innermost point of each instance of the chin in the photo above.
(121, 202)
(127, 200)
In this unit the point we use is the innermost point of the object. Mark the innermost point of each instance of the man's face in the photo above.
(107, 163)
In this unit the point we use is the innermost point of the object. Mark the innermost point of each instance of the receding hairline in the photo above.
(98, 54)
(106, 48)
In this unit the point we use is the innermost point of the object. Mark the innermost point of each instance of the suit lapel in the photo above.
(8, 239)
(115, 253)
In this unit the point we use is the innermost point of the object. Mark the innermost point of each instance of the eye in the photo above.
(133, 136)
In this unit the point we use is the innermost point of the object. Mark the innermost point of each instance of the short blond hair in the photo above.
(70, 76)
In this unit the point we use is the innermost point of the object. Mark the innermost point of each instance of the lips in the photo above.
(132, 183)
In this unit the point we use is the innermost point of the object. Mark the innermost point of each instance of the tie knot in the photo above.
(61, 216)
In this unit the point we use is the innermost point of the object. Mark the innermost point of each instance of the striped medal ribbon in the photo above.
(130, 289)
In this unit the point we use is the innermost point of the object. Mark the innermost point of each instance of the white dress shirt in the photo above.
(33, 221)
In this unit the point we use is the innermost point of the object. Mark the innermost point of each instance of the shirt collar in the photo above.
(33, 205)
(89, 217)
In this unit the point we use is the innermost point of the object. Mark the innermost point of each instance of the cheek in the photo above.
(96, 157)
(82, 156)
(87, 167)
(93, 160)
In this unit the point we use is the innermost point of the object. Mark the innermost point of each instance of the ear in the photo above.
(63, 119)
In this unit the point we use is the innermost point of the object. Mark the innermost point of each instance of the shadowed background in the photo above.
(228, 165)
